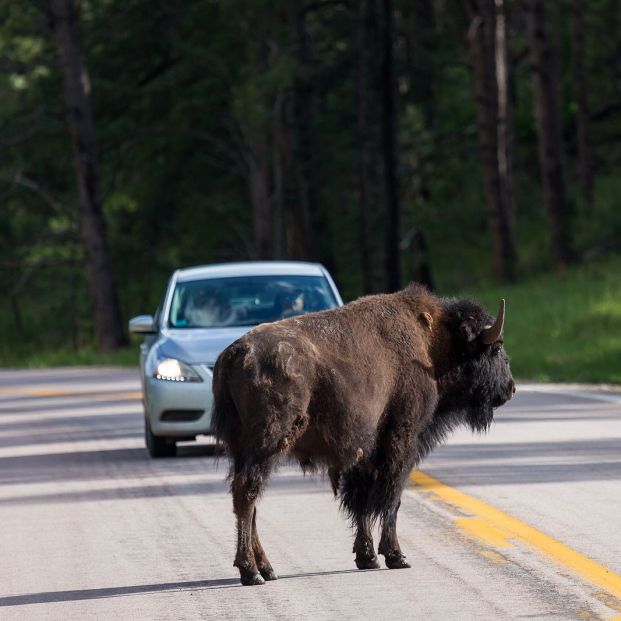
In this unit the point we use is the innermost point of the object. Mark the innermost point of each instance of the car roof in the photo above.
(250, 268)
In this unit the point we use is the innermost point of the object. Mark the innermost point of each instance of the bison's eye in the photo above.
(496, 347)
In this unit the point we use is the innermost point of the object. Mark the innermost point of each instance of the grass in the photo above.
(564, 327)
(559, 327)
(64, 357)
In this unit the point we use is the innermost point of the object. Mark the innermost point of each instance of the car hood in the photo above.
(198, 346)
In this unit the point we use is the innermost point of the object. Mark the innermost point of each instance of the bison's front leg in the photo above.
(363, 545)
(389, 543)
(398, 451)
(355, 496)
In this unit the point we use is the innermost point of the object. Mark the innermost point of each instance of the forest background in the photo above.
(472, 145)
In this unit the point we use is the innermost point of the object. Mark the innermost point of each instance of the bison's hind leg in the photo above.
(272, 420)
(263, 563)
(249, 479)
(250, 475)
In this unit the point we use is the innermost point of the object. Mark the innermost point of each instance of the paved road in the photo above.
(526, 522)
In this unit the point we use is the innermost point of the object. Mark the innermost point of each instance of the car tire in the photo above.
(156, 445)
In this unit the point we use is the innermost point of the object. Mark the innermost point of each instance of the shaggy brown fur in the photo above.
(365, 390)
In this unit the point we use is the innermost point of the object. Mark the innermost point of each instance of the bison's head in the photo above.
(479, 378)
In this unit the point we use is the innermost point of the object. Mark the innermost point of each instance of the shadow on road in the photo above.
(129, 473)
(335, 572)
(50, 597)
(527, 463)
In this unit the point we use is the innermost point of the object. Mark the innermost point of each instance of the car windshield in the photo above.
(247, 300)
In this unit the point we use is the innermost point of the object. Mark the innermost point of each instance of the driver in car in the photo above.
(208, 310)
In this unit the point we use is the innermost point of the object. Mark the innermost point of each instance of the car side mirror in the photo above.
(143, 324)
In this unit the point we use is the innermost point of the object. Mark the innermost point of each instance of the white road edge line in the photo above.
(558, 390)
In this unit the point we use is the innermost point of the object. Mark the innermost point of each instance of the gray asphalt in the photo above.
(91, 528)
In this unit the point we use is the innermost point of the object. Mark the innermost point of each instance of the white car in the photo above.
(204, 310)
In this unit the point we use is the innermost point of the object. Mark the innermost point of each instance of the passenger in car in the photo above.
(292, 303)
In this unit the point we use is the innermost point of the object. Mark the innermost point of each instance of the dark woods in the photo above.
(393, 141)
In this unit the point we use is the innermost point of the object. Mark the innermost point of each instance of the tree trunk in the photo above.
(585, 169)
(392, 260)
(81, 127)
(505, 142)
(278, 149)
(421, 44)
(258, 185)
(550, 142)
(363, 58)
(302, 245)
(490, 68)
(424, 48)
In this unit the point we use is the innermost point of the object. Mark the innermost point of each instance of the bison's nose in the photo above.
(511, 389)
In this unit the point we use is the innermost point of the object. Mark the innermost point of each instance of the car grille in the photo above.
(181, 416)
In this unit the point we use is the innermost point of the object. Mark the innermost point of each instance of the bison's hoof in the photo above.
(366, 562)
(268, 573)
(396, 561)
(250, 579)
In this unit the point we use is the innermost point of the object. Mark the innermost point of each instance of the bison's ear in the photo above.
(466, 330)
(427, 320)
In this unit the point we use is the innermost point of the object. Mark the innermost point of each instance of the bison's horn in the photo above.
(492, 333)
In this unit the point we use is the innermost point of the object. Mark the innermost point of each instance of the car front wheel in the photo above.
(156, 445)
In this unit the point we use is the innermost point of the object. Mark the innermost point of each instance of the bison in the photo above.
(364, 391)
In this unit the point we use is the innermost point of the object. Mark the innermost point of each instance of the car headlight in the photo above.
(172, 370)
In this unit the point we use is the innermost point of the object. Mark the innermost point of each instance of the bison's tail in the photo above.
(224, 416)
(222, 411)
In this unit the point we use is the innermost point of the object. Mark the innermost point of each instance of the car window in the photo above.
(247, 300)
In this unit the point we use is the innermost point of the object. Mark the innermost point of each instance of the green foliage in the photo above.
(186, 96)
(564, 328)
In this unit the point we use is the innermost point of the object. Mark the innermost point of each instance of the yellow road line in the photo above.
(45, 392)
(518, 530)
(485, 531)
